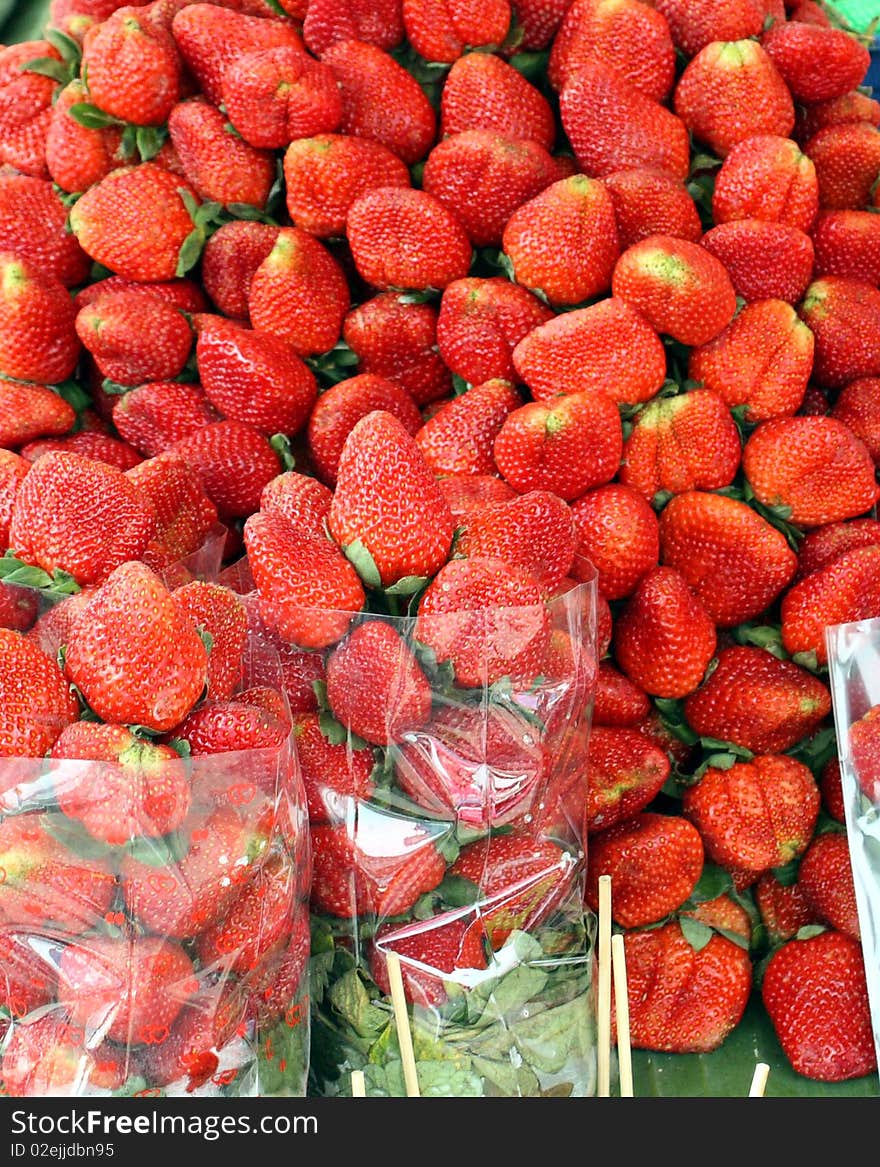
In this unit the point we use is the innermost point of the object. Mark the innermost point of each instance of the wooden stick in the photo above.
(759, 1080)
(358, 1084)
(603, 1022)
(404, 1033)
(621, 1013)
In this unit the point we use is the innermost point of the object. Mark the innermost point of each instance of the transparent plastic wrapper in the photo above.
(154, 921)
(854, 669)
(443, 758)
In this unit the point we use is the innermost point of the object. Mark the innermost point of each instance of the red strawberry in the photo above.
(332, 772)
(844, 316)
(617, 531)
(223, 726)
(135, 221)
(762, 360)
(612, 125)
(617, 700)
(832, 790)
(133, 67)
(300, 498)
(430, 953)
(185, 516)
(229, 260)
(539, 21)
(397, 339)
(260, 918)
(81, 516)
(459, 438)
(681, 288)
(822, 545)
(187, 1053)
(46, 1056)
(13, 470)
(630, 36)
(729, 92)
(37, 702)
(153, 416)
(754, 815)
(254, 377)
(815, 993)
(326, 173)
(129, 671)
(94, 444)
(308, 589)
(733, 559)
(626, 772)
(184, 294)
(219, 166)
(133, 339)
(651, 202)
(766, 177)
(567, 446)
(25, 107)
(39, 341)
(442, 33)
(846, 158)
(29, 412)
(77, 156)
(482, 91)
(764, 260)
(24, 985)
(683, 998)
(663, 637)
(694, 23)
(341, 406)
(863, 734)
(816, 63)
(328, 21)
(687, 441)
(300, 293)
(32, 224)
(274, 96)
(847, 243)
(574, 218)
(235, 461)
(855, 106)
(654, 861)
(782, 907)
(856, 407)
(131, 787)
(488, 618)
(219, 612)
(845, 590)
(380, 471)
(381, 100)
(468, 494)
(608, 347)
(825, 877)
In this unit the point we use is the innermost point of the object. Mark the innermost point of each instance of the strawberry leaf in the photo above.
(114, 388)
(150, 140)
(15, 571)
(48, 67)
(70, 50)
(363, 562)
(407, 585)
(90, 116)
(713, 882)
(280, 443)
(165, 851)
(250, 213)
(532, 65)
(696, 932)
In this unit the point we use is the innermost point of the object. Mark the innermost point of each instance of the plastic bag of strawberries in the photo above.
(442, 747)
(154, 849)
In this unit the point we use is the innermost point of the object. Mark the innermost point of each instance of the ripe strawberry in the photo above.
(825, 877)
(762, 360)
(617, 531)
(856, 407)
(46, 1057)
(629, 36)
(764, 260)
(845, 590)
(567, 446)
(24, 985)
(734, 560)
(184, 294)
(403, 238)
(28, 412)
(651, 202)
(843, 314)
(430, 953)
(13, 470)
(729, 92)
(626, 772)
(133, 339)
(328, 21)
(459, 438)
(308, 589)
(32, 224)
(846, 158)
(381, 101)
(863, 735)
(482, 91)
(274, 96)
(682, 289)
(444, 33)
(235, 461)
(724, 915)
(488, 618)
(25, 107)
(229, 260)
(688, 441)
(152, 417)
(398, 340)
(683, 999)
(78, 156)
(260, 918)
(223, 726)
(573, 217)
(188, 1055)
(185, 516)
(822, 545)
(654, 861)
(210, 37)
(299, 293)
(831, 790)
(135, 221)
(333, 773)
(39, 341)
(132, 787)
(782, 907)
(220, 166)
(608, 347)
(766, 177)
(133, 67)
(341, 406)
(219, 612)
(847, 243)
(301, 499)
(129, 671)
(855, 106)
(468, 494)
(663, 637)
(381, 871)
(380, 471)
(754, 815)
(79, 515)
(815, 993)
(617, 701)
(817, 64)
(694, 23)
(94, 444)
(324, 174)
(278, 984)
(539, 21)
(755, 700)
(37, 702)
(612, 125)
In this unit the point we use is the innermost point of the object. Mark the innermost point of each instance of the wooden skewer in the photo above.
(603, 1021)
(404, 1033)
(621, 1013)
(759, 1080)
(358, 1084)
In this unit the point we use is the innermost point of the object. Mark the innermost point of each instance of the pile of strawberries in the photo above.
(440, 320)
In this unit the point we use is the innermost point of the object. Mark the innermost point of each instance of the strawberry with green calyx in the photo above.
(334, 770)
(626, 772)
(133, 339)
(259, 918)
(221, 167)
(26, 103)
(432, 954)
(235, 461)
(275, 96)
(222, 615)
(781, 903)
